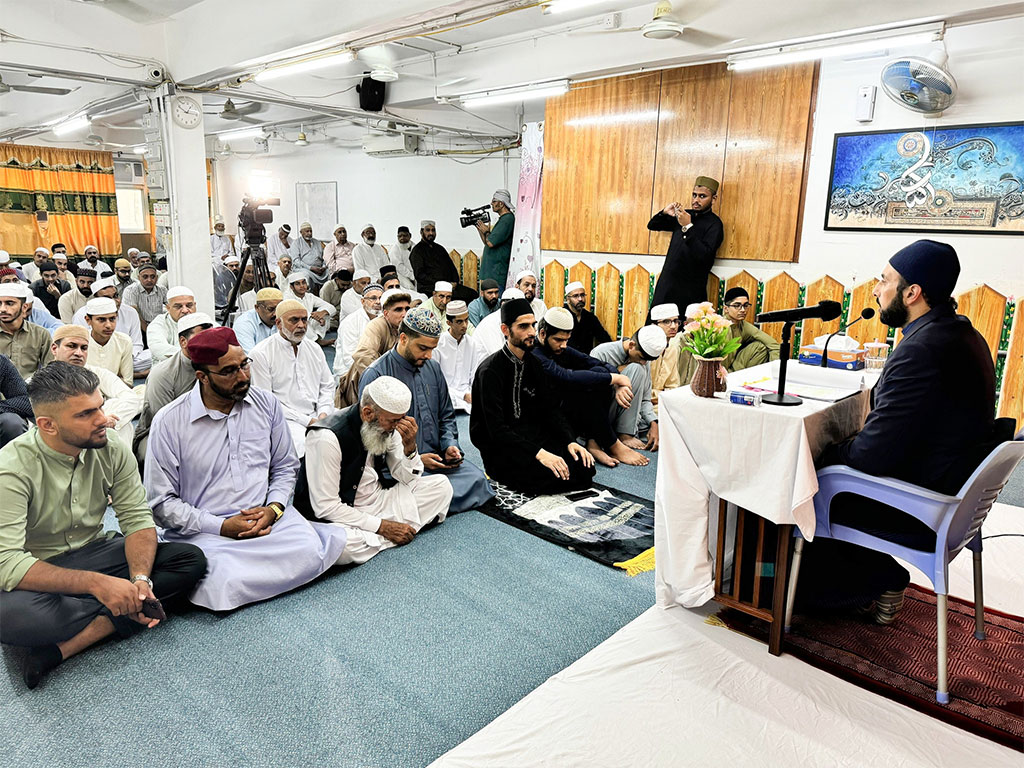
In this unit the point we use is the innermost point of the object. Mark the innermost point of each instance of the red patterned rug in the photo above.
(986, 677)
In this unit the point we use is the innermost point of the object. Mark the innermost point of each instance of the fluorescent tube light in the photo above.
(306, 65)
(566, 6)
(72, 125)
(514, 95)
(141, 149)
(244, 133)
(830, 49)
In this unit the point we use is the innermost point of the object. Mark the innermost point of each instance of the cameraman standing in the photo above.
(497, 240)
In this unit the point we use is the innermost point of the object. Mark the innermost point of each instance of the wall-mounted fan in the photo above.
(920, 84)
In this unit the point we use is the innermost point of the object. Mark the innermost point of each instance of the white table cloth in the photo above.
(761, 459)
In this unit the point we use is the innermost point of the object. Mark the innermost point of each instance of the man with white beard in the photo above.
(399, 254)
(526, 281)
(369, 255)
(278, 246)
(221, 244)
(369, 452)
(295, 371)
(319, 310)
(308, 256)
(351, 328)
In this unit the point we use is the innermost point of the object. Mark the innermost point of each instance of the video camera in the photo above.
(252, 217)
(470, 216)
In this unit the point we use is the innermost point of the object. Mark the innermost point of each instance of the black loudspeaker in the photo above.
(371, 94)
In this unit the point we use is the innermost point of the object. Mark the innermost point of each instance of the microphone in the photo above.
(823, 310)
(865, 314)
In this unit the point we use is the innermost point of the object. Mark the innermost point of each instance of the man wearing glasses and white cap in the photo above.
(497, 240)
(162, 333)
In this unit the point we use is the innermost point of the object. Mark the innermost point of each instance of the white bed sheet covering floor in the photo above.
(669, 689)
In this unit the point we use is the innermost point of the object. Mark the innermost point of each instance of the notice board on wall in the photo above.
(317, 203)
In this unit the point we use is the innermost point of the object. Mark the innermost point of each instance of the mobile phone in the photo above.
(152, 609)
(581, 495)
(451, 462)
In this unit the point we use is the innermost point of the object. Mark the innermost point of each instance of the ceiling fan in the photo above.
(381, 65)
(669, 23)
(230, 112)
(5, 88)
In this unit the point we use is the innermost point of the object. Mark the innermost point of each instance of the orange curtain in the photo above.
(75, 189)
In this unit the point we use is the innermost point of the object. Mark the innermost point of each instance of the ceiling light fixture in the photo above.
(72, 125)
(305, 65)
(836, 47)
(141, 149)
(244, 133)
(567, 6)
(515, 95)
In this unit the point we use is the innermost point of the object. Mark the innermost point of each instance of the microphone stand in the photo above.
(785, 349)
(824, 351)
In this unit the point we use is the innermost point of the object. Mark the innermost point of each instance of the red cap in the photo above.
(209, 346)
(7, 271)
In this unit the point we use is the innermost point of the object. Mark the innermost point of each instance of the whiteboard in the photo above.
(317, 203)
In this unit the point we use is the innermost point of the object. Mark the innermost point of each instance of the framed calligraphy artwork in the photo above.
(951, 178)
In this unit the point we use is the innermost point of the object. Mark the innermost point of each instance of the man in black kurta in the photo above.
(523, 437)
(430, 261)
(587, 331)
(696, 235)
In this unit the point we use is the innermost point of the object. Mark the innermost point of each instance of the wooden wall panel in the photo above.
(470, 268)
(606, 298)
(826, 288)
(714, 283)
(1011, 402)
(599, 149)
(456, 258)
(584, 274)
(764, 162)
(554, 284)
(985, 307)
(781, 292)
(635, 299)
(692, 128)
(865, 330)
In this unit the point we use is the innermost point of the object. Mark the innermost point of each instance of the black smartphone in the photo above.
(451, 462)
(581, 495)
(152, 609)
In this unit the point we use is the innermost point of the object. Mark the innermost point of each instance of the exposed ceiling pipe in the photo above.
(100, 108)
(85, 77)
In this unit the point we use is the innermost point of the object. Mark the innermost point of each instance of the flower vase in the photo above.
(707, 379)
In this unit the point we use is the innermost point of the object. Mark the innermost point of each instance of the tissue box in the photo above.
(845, 359)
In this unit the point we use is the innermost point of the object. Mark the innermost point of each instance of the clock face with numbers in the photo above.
(186, 111)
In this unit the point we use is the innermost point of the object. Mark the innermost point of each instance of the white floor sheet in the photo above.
(670, 690)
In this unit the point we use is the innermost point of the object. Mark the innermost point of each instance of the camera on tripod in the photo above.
(253, 216)
(470, 216)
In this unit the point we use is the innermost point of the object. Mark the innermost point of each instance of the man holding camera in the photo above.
(497, 240)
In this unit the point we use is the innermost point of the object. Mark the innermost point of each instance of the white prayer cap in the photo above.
(512, 293)
(4, 257)
(305, 225)
(560, 318)
(218, 219)
(359, 274)
(664, 311)
(41, 249)
(101, 306)
(339, 226)
(104, 282)
(389, 394)
(133, 250)
(14, 290)
(576, 285)
(368, 226)
(456, 308)
(652, 341)
(93, 247)
(525, 273)
(232, 260)
(185, 322)
(415, 297)
(428, 223)
(179, 290)
(442, 285)
(294, 277)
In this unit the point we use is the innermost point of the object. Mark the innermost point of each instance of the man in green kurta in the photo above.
(756, 346)
(497, 240)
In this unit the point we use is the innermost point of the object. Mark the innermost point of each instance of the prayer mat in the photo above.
(612, 527)
(986, 677)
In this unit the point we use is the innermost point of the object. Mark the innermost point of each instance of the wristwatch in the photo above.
(278, 510)
(142, 577)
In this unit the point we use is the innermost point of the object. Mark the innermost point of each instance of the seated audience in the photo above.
(380, 335)
(169, 380)
(399, 254)
(488, 333)
(333, 290)
(338, 253)
(221, 243)
(246, 298)
(145, 296)
(162, 333)
(122, 276)
(632, 357)
(437, 435)
(92, 261)
(430, 261)
(665, 370)
(31, 270)
(278, 246)
(351, 299)
(75, 299)
(369, 254)
(459, 355)
(6, 263)
(108, 348)
(522, 435)
(220, 472)
(63, 271)
(293, 368)
(937, 392)
(318, 310)
(38, 314)
(756, 346)
(586, 388)
(48, 288)
(66, 583)
(391, 282)
(127, 323)
(121, 403)
(15, 408)
(25, 343)
(364, 473)
(485, 303)
(255, 325)
(282, 270)
(352, 327)
(587, 330)
(438, 300)
(526, 281)
(308, 256)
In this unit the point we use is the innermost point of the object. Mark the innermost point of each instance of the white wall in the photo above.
(385, 192)
(987, 60)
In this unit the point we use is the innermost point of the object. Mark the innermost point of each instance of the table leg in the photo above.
(785, 534)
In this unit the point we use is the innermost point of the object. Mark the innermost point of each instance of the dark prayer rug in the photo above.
(986, 677)
(612, 527)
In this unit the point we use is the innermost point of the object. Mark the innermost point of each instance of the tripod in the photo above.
(262, 277)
